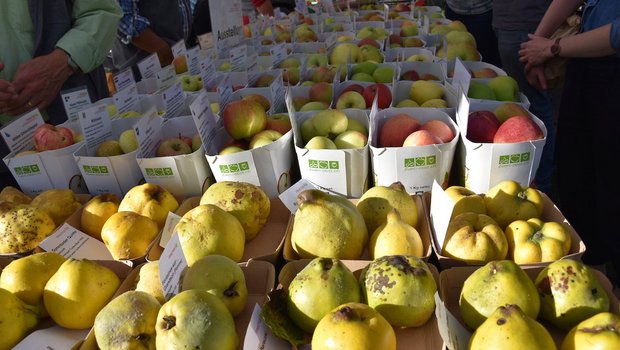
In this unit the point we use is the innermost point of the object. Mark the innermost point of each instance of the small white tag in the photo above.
(174, 99)
(53, 338)
(172, 263)
(149, 66)
(127, 99)
(289, 197)
(166, 77)
(73, 243)
(179, 49)
(148, 130)
(96, 126)
(166, 233)
(123, 79)
(441, 211)
(238, 57)
(74, 101)
(19, 134)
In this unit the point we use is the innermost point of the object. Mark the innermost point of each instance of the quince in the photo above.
(59, 204)
(22, 227)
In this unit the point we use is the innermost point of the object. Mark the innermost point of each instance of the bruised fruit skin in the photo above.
(601, 331)
(324, 279)
(401, 288)
(22, 227)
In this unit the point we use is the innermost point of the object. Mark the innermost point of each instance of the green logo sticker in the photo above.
(27, 169)
(514, 159)
(159, 172)
(323, 164)
(235, 168)
(420, 161)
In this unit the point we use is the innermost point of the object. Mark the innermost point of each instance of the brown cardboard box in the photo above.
(259, 278)
(424, 337)
(265, 246)
(453, 330)
(550, 213)
(423, 228)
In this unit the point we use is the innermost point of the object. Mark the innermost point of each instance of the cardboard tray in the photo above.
(423, 228)
(260, 280)
(267, 244)
(550, 213)
(453, 330)
(424, 337)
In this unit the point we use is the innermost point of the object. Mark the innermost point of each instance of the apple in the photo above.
(49, 137)
(109, 148)
(304, 33)
(408, 28)
(509, 109)
(299, 101)
(351, 99)
(314, 106)
(435, 103)
(367, 67)
(264, 80)
(180, 64)
(407, 103)
(243, 119)
(519, 128)
(382, 91)
(129, 114)
(459, 37)
(185, 139)
(322, 74)
(344, 38)
(196, 142)
(480, 90)
(464, 52)
(191, 82)
(429, 76)
(394, 39)
(321, 92)
(320, 142)
(291, 76)
(384, 74)
(371, 32)
(505, 88)
(485, 73)
(440, 129)
(316, 60)
(353, 87)
(258, 98)
(345, 53)
(350, 139)
(413, 42)
(356, 125)
(173, 147)
(279, 122)
(369, 41)
(224, 67)
(422, 91)
(263, 138)
(371, 53)
(396, 129)
(361, 76)
(215, 107)
(283, 37)
(421, 138)
(402, 7)
(410, 74)
(481, 126)
(601, 331)
(230, 150)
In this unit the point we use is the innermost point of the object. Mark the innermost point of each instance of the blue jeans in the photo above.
(508, 42)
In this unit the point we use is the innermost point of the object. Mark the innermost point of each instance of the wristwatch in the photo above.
(555, 48)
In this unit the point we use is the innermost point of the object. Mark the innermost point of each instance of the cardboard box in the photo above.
(453, 330)
(423, 228)
(487, 164)
(48, 335)
(424, 337)
(259, 278)
(439, 217)
(415, 167)
(267, 244)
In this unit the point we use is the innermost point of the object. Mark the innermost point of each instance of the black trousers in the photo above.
(587, 150)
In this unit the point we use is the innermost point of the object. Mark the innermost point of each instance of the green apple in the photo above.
(220, 276)
(320, 142)
(465, 52)
(195, 319)
(196, 142)
(109, 148)
(112, 110)
(435, 103)
(308, 83)
(224, 67)
(351, 99)
(329, 123)
(505, 88)
(129, 114)
(361, 76)
(264, 138)
(316, 60)
(231, 150)
(299, 101)
(417, 58)
(356, 125)
(345, 53)
(383, 74)
(480, 90)
(460, 37)
(128, 141)
(408, 28)
(371, 53)
(350, 139)
(422, 91)
(314, 106)
(364, 67)
(407, 103)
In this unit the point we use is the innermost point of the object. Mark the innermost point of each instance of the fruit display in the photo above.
(499, 88)
(332, 129)
(48, 137)
(404, 130)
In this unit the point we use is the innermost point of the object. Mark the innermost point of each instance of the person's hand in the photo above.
(535, 51)
(8, 95)
(38, 81)
(536, 77)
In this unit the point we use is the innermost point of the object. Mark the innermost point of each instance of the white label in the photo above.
(99, 174)
(455, 335)
(441, 211)
(418, 166)
(462, 113)
(206, 41)
(30, 174)
(149, 66)
(226, 23)
(207, 69)
(238, 57)
(513, 161)
(70, 242)
(460, 77)
(172, 263)
(124, 79)
(174, 99)
(166, 233)
(52, 338)
(162, 171)
(289, 197)
(326, 168)
(166, 77)
(127, 99)
(19, 134)
(179, 49)
(74, 101)
(259, 336)
(205, 121)
(193, 60)
(225, 90)
(278, 53)
(235, 167)
(278, 92)
(331, 40)
(148, 132)
(96, 126)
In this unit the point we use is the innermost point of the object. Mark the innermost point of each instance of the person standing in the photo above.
(477, 16)
(47, 46)
(587, 140)
(513, 21)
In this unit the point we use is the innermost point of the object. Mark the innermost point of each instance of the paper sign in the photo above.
(166, 77)
(74, 101)
(235, 167)
(207, 70)
(259, 336)
(456, 335)
(127, 99)
(19, 134)
(174, 100)
(193, 60)
(326, 168)
(513, 161)
(179, 49)
(418, 168)
(331, 40)
(73, 243)
(96, 126)
(289, 197)
(149, 66)
(123, 79)
(206, 41)
(99, 175)
(460, 77)
(278, 93)
(205, 121)
(172, 263)
(226, 23)
(30, 173)
(238, 57)
(278, 53)
(441, 211)
(52, 338)
(166, 233)
(147, 132)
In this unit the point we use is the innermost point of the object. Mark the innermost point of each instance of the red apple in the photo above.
(411, 74)
(173, 146)
(243, 119)
(518, 129)
(396, 129)
(236, 87)
(260, 99)
(322, 74)
(353, 87)
(49, 137)
(322, 92)
(395, 39)
(481, 126)
(369, 41)
(278, 122)
(440, 129)
(421, 138)
(185, 139)
(382, 90)
(429, 76)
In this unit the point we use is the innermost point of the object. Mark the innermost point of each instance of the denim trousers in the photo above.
(587, 148)
(480, 27)
(509, 42)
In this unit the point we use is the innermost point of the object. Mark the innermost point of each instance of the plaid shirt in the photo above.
(132, 23)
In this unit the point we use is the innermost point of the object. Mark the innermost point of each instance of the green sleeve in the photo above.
(93, 32)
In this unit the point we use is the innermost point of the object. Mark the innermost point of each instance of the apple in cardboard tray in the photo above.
(173, 146)
(48, 137)
(243, 119)
(482, 126)
(396, 129)
(518, 129)
(384, 95)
